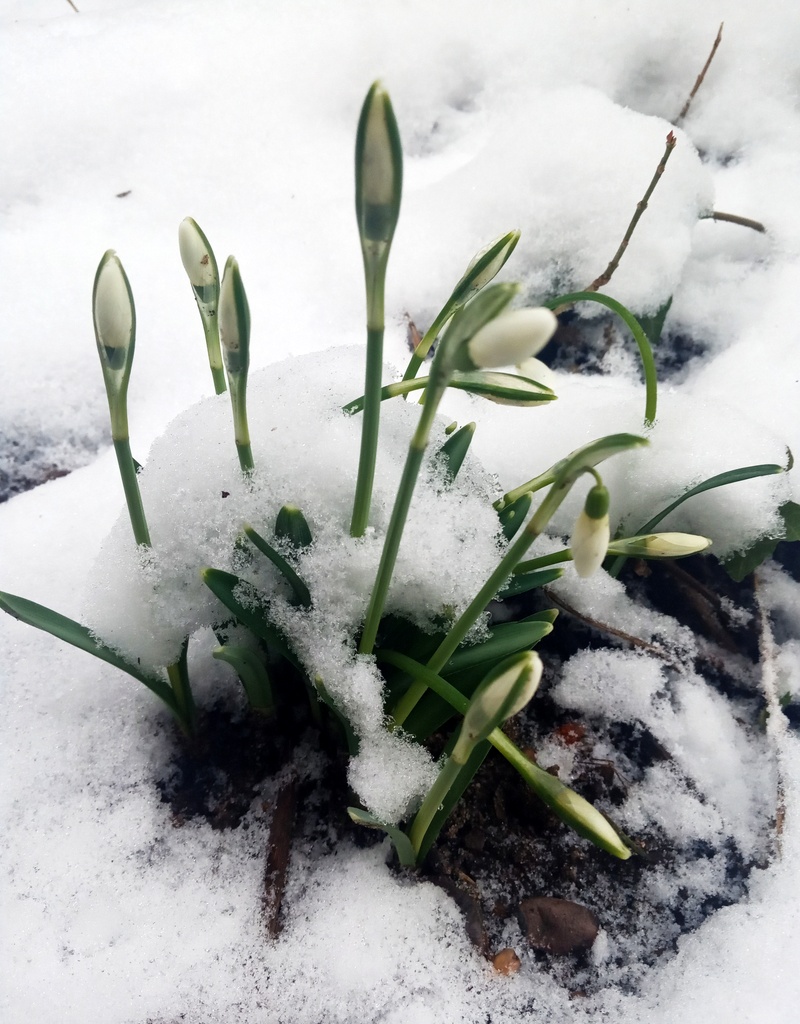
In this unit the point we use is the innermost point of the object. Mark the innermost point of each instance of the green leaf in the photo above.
(506, 638)
(251, 671)
(453, 795)
(350, 737)
(454, 450)
(253, 615)
(525, 581)
(743, 563)
(653, 326)
(513, 516)
(301, 591)
(79, 636)
(405, 851)
(291, 526)
(503, 388)
(790, 511)
(733, 476)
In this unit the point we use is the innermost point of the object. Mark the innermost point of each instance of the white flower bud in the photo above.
(592, 533)
(234, 317)
(113, 311)
(588, 822)
(196, 255)
(502, 694)
(512, 337)
(660, 545)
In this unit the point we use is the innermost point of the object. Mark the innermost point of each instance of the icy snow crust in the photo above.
(125, 118)
(306, 450)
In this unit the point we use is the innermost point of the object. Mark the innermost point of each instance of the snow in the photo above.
(121, 120)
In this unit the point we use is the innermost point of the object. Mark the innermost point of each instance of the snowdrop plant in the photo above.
(436, 681)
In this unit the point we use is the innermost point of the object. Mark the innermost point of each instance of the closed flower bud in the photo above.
(660, 545)
(511, 337)
(535, 369)
(197, 257)
(485, 266)
(234, 319)
(592, 533)
(114, 317)
(588, 822)
(379, 168)
(503, 693)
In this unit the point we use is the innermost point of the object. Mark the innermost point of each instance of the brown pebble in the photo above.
(506, 961)
(557, 926)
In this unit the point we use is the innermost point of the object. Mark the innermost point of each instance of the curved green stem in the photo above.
(432, 802)
(633, 325)
(133, 496)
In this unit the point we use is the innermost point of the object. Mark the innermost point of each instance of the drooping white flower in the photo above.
(512, 337)
(592, 533)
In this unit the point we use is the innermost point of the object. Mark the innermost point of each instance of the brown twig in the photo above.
(72, 5)
(604, 627)
(641, 206)
(700, 78)
(734, 218)
(280, 842)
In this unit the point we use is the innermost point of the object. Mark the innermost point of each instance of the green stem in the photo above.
(564, 555)
(432, 802)
(488, 591)
(633, 325)
(536, 484)
(211, 329)
(402, 387)
(133, 497)
(241, 428)
(179, 680)
(375, 273)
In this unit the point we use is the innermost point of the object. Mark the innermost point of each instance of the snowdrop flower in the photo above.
(535, 369)
(511, 337)
(592, 533)
(588, 822)
(484, 266)
(503, 693)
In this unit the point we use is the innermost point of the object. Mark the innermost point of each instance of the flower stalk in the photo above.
(379, 184)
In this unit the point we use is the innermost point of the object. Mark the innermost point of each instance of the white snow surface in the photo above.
(118, 122)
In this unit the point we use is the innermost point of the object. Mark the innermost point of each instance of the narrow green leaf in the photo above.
(522, 583)
(253, 615)
(653, 326)
(350, 737)
(405, 851)
(79, 636)
(301, 591)
(251, 671)
(741, 564)
(454, 793)
(503, 388)
(506, 638)
(733, 476)
(790, 511)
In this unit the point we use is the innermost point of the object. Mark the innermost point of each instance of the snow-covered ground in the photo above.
(121, 120)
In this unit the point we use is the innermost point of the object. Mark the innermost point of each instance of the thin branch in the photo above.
(700, 78)
(72, 5)
(734, 218)
(641, 206)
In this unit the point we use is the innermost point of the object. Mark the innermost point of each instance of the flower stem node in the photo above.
(592, 533)
(511, 338)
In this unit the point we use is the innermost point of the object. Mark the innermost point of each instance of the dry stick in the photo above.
(700, 78)
(734, 218)
(641, 206)
(604, 627)
(278, 850)
(72, 5)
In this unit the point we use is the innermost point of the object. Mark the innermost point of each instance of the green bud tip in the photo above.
(114, 314)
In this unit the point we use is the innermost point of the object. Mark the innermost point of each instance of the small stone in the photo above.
(506, 961)
(557, 926)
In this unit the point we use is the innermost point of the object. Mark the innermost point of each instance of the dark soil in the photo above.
(502, 846)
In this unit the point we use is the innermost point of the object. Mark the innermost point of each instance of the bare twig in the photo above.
(641, 206)
(605, 627)
(72, 5)
(734, 218)
(280, 841)
(700, 78)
